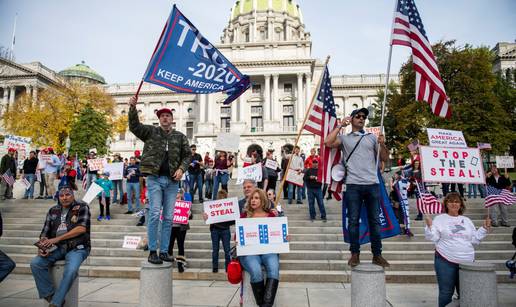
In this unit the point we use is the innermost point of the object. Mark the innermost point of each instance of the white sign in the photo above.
(460, 165)
(271, 164)
(96, 164)
(253, 172)
(295, 178)
(446, 138)
(374, 130)
(92, 192)
(116, 170)
(227, 142)
(20, 143)
(257, 236)
(505, 161)
(222, 210)
(131, 242)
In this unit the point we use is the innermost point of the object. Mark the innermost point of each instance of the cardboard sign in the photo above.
(253, 172)
(227, 142)
(20, 143)
(116, 170)
(92, 192)
(460, 165)
(96, 164)
(446, 138)
(131, 242)
(271, 164)
(505, 161)
(222, 210)
(46, 158)
(374, 130)
(181, 212)
(295, 178)
(257, 236)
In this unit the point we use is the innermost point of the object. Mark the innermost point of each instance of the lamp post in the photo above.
(108, 144)
(68, 144)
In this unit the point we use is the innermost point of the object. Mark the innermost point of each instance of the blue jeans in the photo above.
(356, 196)
(447, 279)
(291, 193)
(221, 178)
(7, 265)
(472, 189)
(162, 194)
(218, 234)
(30, 191)
(253, 265)
(117, 189)
(196, 178)
(130, 187)
(89, 179)
(40, 270)
(482, 190)
(313, 195)
(208, 187)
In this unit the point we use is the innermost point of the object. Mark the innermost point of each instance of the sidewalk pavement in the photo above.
(20, 291)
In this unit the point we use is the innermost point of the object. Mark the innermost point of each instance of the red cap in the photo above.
(163, 110)
(69, 163)
(11, 149)
(234, 272)
(50, 149)
(137, 153)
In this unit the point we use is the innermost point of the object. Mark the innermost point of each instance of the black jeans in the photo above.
(180, 235)
(7, 265)
(217, 235)
(102, 207)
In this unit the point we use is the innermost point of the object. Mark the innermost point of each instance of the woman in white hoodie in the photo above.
(454, 236)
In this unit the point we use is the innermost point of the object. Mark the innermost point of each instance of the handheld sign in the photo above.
(271, 164)
(460, 165)
(256, 236)
(446, 138)
(505, 161)
(295, 178)
(92, 192)
(96, 164)
(253, 172)
(131, 242)
(181, 212)
(227, 142)
(222, 210)
(374, 130)
(116, 170)
(186, 62)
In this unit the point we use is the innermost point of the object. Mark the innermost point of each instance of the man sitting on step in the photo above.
(65, 236)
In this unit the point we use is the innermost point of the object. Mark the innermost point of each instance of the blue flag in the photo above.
(186, 62)
(389, 225)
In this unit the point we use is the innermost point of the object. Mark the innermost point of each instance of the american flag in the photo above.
(8, 177)
(322, 120)
(484, 146)
(408, 30)
(499, 196)
(428, 203)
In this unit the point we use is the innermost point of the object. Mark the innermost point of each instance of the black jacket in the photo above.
(311, 183)
(29, 165)
(502, 183)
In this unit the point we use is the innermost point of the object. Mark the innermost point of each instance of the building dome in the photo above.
(243, 7)
(82, 73)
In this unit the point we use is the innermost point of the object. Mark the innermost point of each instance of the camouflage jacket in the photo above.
(156, 142)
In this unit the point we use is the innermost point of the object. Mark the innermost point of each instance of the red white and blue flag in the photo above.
(499, 196)
(427, 203)
(8, 177)
(408, 30)
(322, 120)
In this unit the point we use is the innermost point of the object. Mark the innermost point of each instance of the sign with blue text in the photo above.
(257, 236)
(186, 62)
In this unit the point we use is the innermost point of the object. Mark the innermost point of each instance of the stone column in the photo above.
(267, 99)
(12, 95)
(478, 285)
(72, 297)
(368, 286)
(364, 101)
(28, 90)
(180, 114)
(234, 109)
(35, 92)
(308, 88)
(300, 107)
(202, 108)
(6, 96)
(156, 285)
(275, 100)
(210, 108)
(243, 116)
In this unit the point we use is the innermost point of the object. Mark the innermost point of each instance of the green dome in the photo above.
(242, 7)
(82, 71)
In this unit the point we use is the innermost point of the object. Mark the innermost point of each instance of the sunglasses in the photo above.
(65, 194)
(360, 116)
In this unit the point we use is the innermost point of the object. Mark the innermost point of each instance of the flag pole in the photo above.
(299, 133)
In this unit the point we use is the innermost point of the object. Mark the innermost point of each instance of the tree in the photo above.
(90, 130)
(477, 109)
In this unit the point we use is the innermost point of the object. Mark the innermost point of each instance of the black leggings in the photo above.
(180, 235)
(102, 207)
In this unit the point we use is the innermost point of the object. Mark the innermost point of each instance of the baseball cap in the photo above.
(163, 110)
(363, 110)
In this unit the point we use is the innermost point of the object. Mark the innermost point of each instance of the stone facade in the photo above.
(505, 57)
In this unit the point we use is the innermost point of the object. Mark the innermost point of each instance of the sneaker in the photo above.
(299, 202)
(107, 217)
(324, 220)
(493, 224)
(165, 257)
(99, 218)
(154, 259)
(140, 223)
(312, 220)
(505, 224)
(201, 201)
(379, 260)
(409, 233)
(215, 270)
(354, 260)
(129, 212)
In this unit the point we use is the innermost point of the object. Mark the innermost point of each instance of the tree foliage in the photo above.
(90, 130)
(482, 104)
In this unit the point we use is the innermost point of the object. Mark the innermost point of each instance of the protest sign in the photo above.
(25, 183)
(96, 164)
(222, 210)
(19, 143)
(92, 192)
(46, 158)
(271, 164)
(256, 236)
(374, 130)
(181, 212)
(505, 161)
(446, 138)
(295, 178)
(227, 142)
(131, 242)
(116, 170)
(460, 165)
(253, 172)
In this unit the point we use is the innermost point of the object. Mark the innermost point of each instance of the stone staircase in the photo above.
(318, 253)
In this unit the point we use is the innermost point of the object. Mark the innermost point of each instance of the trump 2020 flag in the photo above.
(389, 225)
(186, 62)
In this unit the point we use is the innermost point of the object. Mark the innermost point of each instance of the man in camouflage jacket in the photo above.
(165, 158)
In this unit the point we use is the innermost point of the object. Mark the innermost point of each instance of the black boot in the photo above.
(153, 258)
(181, 261)
(258, 291)
(271, 286)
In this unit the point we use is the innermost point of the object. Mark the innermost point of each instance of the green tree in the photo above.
(91, 129)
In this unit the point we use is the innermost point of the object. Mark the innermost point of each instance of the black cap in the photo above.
(363, 110)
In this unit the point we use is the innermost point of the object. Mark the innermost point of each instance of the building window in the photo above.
(287, 88)
(355, 106)
(257, 88)
(246, 35)
(288, 123)
(288, 109)
(225, 111)
(189, 130)
(173, 111)
(121, 136)
(256, 124)
(256, 109)
(225, 124)
(263, 34)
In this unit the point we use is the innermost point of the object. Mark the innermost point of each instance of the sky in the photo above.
(116, 37)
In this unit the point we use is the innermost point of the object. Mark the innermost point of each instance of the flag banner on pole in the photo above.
(401, 188)
(8, 177)
(426, 202)
(186, 62)
(408, 30)
(389, 225)
(484, 146)
(499, 196)
(321, 121)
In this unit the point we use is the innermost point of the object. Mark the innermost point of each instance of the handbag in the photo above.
(234, 272)
(347, 159)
